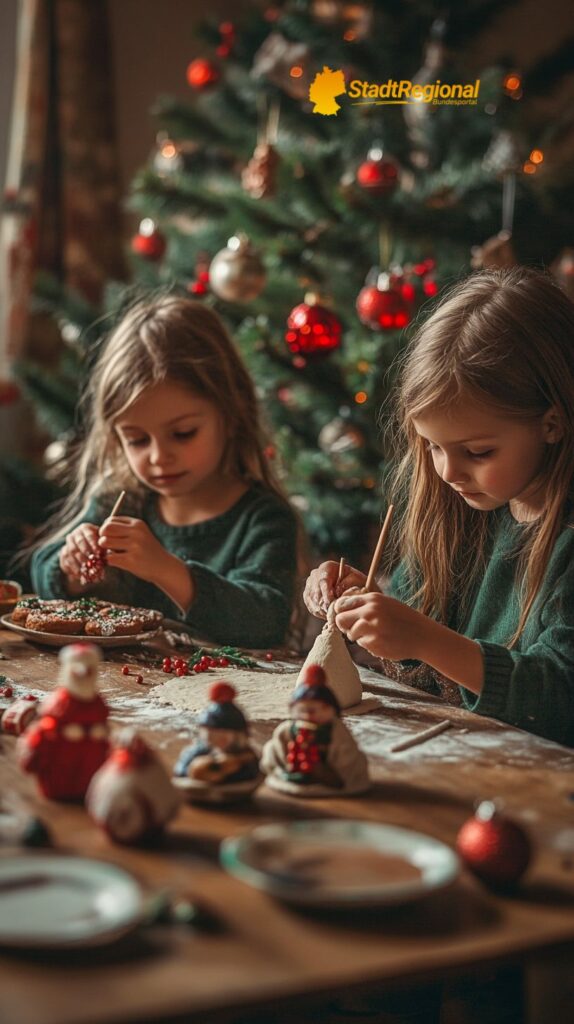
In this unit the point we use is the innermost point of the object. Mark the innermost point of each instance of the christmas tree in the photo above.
(335, 167)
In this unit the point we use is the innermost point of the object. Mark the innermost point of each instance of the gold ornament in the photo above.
(494, 254)
(259, 176)
(340, 436)
(237, 273)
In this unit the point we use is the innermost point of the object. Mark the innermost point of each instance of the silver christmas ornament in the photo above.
(237, 273)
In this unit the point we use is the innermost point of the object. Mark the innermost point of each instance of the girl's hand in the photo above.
(130, 544)
(80, 543)
(321, 587)
(383, 626)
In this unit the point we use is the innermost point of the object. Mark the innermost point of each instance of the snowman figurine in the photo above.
(69, 741)
(223, 766)
(131, 796)
(313, 753)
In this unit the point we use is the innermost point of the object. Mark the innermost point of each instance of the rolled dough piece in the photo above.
(330, 651)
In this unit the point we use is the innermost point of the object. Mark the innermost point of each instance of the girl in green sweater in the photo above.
(205, 534)
(483, 595)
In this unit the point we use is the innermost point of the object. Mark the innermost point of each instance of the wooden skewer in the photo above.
(118, 502)
(421, 737)
(379, 550)
(341, 568)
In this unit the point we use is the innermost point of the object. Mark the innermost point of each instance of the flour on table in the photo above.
(260, 695)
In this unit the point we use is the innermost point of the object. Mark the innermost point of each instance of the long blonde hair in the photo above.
(167, 339)
(504, 339)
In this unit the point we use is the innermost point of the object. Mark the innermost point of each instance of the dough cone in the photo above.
(330, 651)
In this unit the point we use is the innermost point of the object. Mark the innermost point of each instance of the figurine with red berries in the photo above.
(69, 742)
(313, 753)
(223, 765)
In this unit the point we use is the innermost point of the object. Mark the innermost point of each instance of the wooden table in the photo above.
(268, 954)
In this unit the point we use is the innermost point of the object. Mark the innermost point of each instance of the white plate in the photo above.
(54, 902)
(61, 639)
(340, 863)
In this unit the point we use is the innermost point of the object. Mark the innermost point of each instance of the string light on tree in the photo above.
(149, 241)
(227, 31)
(202, 73)
(312, 329)
(535, 159)
(168, 158)
(512, 85)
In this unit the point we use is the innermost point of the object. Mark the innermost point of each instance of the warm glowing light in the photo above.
(512, 82)
(361, 397)
(537, 156)
(168, 150)
(363, 366)
(350, 35)
(296, 71)
(529, 168)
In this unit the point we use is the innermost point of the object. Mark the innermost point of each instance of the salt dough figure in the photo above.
(223, 765)
(331, 652)
(314, 754)
(131, 796)
(69, 742)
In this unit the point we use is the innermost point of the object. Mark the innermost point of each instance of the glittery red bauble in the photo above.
(202, 73)
(378, 176)
(382, 309)
(313, 330)
(151, 247)
(495, 848)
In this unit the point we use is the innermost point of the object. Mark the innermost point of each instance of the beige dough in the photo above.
(260, 695)
(330, 651)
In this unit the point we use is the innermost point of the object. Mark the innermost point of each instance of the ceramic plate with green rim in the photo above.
(340, 863)
(55, 902)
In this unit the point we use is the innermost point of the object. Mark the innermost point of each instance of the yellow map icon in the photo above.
(325, 86)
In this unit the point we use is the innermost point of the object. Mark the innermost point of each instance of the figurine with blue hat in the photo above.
(313, 753)
(222, 765)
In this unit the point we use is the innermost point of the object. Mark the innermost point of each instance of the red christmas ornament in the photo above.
(377, 174)
(202, 73)
(149, 242)
(312, 329)
(9, 392)
(382, 306)
(497, 849)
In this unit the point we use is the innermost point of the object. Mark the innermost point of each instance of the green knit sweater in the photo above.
(243, 564)
(532, 685)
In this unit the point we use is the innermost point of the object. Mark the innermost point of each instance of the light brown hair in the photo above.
(504, 339)
(167, 339)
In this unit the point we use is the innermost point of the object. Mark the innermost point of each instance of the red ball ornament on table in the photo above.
(313, 330)
(383, 307)
(202, 73)
(149, 242)
(494, 847)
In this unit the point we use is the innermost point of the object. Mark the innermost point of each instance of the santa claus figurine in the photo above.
(131, 796)
(313, 753)
(69, 742)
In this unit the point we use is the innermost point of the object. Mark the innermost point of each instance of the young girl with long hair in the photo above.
(205, 534)
(483, 595)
